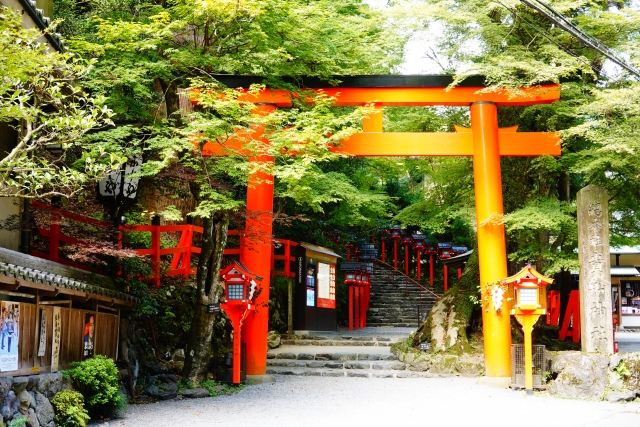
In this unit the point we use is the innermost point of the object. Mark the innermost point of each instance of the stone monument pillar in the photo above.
(595, 275)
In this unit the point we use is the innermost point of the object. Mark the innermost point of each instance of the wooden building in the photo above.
(52, 315)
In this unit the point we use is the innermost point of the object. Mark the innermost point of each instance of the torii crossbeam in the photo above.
(484, 141)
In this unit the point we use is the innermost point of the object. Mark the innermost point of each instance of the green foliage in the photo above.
(69, 407)
(97, 379)
(40, 99)
(622, 370)
(18, 422)
(217, 389)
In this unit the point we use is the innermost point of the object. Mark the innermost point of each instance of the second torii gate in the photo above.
(484, 141)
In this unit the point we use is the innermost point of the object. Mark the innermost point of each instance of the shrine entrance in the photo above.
(484, 141)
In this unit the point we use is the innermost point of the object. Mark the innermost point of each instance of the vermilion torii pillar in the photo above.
(484, 141)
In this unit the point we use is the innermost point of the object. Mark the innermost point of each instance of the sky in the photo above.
(416, 62)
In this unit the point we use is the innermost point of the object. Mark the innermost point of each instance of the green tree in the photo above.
(146, 52)
(41, 99)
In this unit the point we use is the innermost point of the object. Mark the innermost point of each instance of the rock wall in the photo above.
(440, 364)
(29, 397)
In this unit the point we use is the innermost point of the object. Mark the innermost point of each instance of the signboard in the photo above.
(213, 308)
(326, 285)
(55, 342)
(10, 335)
(311, 285)
(42, 345)
(88, 339)
(528, 296)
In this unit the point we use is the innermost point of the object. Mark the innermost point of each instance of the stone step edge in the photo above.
(335, 357)
(354, 373)
(327, 343)
(367, 365)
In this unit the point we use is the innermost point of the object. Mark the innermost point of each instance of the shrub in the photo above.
(97, 379)
(70, 412)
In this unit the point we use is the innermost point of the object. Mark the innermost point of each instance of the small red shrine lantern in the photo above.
(407, 238)
(458, 250)
(444, 250)
(239, 288)
(350, 247)
(419, 242)
(396, 235)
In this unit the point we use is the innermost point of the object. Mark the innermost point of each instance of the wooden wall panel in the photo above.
(107, 335)
(72, 338)
(26, 334)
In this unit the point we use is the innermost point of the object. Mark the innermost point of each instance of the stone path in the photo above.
(317, 401)
(628, 341)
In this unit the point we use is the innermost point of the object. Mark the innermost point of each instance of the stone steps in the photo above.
(326, 343)
(353, 373)
(396, 303)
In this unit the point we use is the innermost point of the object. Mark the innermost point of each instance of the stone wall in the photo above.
(29, 397)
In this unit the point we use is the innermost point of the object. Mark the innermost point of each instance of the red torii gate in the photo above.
(484, 141)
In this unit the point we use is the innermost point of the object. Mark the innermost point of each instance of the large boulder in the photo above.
(32, 419)
(50, 384)
(44, 409)
(19, 384)
(579, 375)
(26, 402)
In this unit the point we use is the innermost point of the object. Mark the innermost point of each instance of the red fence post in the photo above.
(54, 234)
(155, 247)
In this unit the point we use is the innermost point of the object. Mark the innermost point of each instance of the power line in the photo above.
(563, 22)
(548, 37)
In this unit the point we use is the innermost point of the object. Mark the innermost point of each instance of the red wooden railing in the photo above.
(180, 263)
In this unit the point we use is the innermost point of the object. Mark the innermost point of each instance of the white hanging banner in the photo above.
(42, 345)
(57, 335)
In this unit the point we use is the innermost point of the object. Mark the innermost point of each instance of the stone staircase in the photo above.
(365, 353)
(395, 300)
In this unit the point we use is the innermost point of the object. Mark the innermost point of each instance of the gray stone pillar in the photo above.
(595, 276)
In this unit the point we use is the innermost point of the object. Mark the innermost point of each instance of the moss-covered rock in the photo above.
(445, 328)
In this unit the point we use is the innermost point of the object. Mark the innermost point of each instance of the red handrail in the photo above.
(409, 278)
(182, 251)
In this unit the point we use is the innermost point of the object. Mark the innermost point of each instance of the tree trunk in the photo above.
(172, 101)
(214, 240)
(446, 325)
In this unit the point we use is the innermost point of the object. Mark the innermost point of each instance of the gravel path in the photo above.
(321, 401)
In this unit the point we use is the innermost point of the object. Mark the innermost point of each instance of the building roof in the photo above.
(319, 249)
(37, 270)
(43, 22)
(624, 271)
(624, 250)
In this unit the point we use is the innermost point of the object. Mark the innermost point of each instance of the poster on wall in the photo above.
(42, 345)
(55, 341)
(88, 340)
(326, 288)
(10, 335)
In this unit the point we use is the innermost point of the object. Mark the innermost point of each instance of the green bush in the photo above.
(70, 412)
(97, 379)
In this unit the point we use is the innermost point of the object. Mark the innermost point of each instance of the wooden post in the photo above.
(155, 246)
(36, 335)
(69, 333)
(118, 336)
(54, 234)
(95, 329)
(290, 304)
